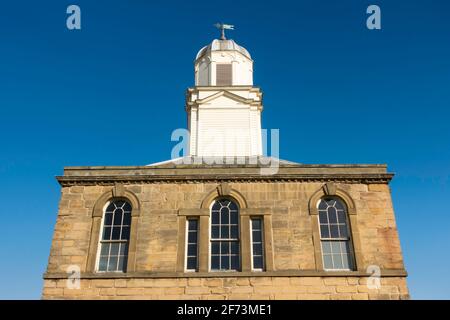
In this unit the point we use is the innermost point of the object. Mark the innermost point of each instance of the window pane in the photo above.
(192, 250)
(215, 262)
(324, 231)
(343, 231)
(335, 246)
(235, 247)
(348, 256)
(326, 247)
(103, 263)
(127, 219)
(192, 225)
(334, 231)
(122, 263)
(105, 249)
(341, 217)
(345, 245)
(225, 248)
(118, 217)
(234, 218)
(119, 204)
(233, 206)
(216, 206)
(332, 216)
(323, 217)
(346, 264)
(257, 249)
(337, 261)
(192, 237)
(256, 224)
(327, 262)
(224, 216)
(127, 207)
(112, 265)
(215, 232)
(115, 233)
(339, 253)
(322, 205)
(106, 233)
(215, 248)
(257, 236)
(339, 205)
(225, 232)
(114, 249)
(234, 232)
(258, 262)
(192, 263)
(225, 263)
(125, 233)
(215, 218)
(108, 218)
(123, 249)
(110, 207)
(235, 262)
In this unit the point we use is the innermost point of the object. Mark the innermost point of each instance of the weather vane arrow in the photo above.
(222, 27)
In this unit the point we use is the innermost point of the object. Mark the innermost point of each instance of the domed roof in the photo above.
(222, 45)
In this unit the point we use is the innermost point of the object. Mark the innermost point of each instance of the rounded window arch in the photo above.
(224, 235)
(115, 236)
(335, 234)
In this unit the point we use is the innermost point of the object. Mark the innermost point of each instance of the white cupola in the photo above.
(223, 62)
(224, 108)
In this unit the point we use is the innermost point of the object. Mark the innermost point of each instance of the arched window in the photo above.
(115, 237)
(337, 251)
(225, 247)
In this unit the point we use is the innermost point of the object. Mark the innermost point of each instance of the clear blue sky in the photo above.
(112, 93)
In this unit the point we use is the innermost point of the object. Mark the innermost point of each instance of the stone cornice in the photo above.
(366, 178)
(223, 91)
(281, 273)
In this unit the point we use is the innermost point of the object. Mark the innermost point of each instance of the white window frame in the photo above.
(99, 243)
(187, 244)
(219, 240)
(348, 239)
(262, 244)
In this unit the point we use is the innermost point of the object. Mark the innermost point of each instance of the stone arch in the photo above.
(330, 189)
(224, 190)
(118, 192)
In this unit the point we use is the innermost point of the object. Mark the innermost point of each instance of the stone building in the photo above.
(225, 229)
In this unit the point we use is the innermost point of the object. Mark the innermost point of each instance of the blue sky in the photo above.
(112, 93)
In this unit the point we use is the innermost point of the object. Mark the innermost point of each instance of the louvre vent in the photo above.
(223, 71)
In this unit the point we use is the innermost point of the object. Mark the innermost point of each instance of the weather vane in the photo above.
(222, 27)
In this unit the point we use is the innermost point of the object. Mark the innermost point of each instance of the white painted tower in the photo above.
(224, 108)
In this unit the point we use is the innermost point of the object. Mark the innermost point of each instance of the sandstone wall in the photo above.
(232, 288)
(293, 245)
